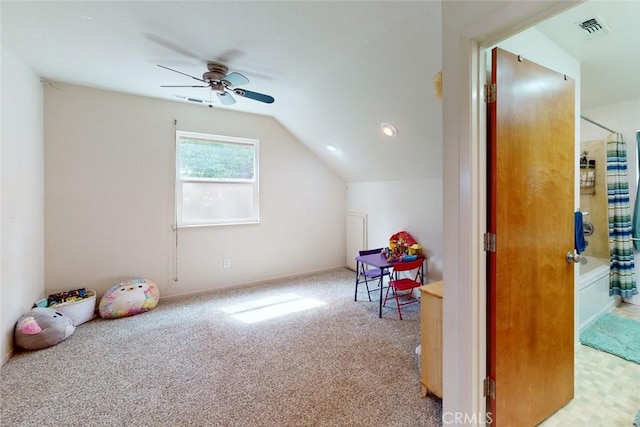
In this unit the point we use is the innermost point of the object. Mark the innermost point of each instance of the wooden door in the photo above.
(531, 201)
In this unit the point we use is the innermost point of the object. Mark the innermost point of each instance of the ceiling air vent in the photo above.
(594, 26)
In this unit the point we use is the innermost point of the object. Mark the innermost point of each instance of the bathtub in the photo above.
(593, 291)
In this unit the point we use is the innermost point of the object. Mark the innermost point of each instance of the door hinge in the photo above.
(490, 92)
(489, 242)
(489, 388)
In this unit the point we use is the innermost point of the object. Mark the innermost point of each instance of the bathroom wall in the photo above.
(593, 199)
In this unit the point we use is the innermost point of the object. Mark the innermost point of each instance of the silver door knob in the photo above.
(573, 258)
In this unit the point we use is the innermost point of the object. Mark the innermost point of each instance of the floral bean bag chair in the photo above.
(128, 298)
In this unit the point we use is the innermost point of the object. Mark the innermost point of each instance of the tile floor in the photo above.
(607, 388)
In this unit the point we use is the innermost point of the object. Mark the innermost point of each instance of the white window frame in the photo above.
(179, 181)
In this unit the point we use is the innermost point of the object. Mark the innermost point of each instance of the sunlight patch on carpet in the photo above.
(258, 310)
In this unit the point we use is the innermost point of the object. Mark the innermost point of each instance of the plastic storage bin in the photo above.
(79, 311)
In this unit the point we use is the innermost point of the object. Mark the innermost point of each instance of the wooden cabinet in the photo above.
(431, 338)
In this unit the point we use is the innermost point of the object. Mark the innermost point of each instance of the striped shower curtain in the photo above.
(635, 230)
(622, 278)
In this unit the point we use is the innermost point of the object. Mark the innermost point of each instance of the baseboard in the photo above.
(249, 284)
(7, 356)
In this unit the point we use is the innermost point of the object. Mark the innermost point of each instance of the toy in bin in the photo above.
(60, 297)
(77, 304)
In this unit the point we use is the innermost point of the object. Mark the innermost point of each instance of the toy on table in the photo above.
(128, 298)
(41, 328)
(402, 248)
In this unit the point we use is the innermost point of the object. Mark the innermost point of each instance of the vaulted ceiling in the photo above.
(337, 69)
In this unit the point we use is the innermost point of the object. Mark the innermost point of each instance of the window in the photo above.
(216, 179)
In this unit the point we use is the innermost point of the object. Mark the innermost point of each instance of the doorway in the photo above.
(468, 29)
(534, 45)
(530, 307)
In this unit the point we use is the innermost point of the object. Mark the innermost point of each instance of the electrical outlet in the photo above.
(226, 263)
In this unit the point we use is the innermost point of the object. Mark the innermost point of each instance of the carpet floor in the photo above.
(614, 334)
(231, 358)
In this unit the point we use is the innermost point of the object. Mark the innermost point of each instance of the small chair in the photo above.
(403, 287)
(369, 274)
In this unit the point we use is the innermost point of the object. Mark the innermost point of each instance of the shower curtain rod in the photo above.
(597, 124)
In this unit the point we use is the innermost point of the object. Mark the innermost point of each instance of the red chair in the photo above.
(369, 274)
(403, 286)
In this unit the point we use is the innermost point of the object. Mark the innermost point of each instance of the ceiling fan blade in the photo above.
(254, 95)
(235, 79)
(182, 86)
(180, 72)
(226, 98)
(170, 45)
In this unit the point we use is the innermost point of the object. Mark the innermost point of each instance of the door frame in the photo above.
(465, 192)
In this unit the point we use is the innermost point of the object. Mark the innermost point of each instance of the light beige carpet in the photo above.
(191, 362)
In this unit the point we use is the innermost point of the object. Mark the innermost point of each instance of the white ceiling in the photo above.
(609, 60)
(337, 69)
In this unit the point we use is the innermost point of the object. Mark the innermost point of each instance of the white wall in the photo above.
(22, 190)
(414, 206)
(623, 117)
(109, 198)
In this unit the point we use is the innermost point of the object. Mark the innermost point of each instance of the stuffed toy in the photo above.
(41, 328)
(127, 298)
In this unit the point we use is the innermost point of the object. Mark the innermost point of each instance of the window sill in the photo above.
(173, 227)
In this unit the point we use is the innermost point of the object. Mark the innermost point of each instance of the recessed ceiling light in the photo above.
(332, 147)
(388, 129)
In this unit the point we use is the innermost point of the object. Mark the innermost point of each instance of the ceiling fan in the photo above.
(223, 83)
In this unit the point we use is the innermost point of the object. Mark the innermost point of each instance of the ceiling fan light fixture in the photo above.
(217, 87)
(389, 130)
(220, 82)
